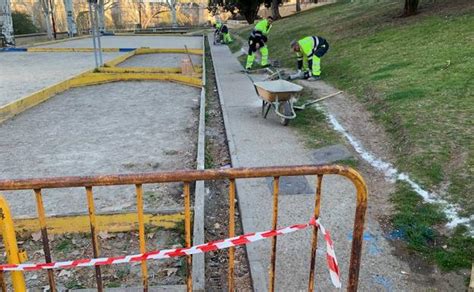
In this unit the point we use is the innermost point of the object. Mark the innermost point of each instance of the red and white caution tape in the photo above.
(202, 248)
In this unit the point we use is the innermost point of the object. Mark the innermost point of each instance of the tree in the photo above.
(48, 8)
(153, 12)
(246, 8)
(103, 6)
(22, 23)
(82, 20)
(172, 7)
(411, 7)
(275, 9)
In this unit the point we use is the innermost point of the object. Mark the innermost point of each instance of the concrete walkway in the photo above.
(254, 141)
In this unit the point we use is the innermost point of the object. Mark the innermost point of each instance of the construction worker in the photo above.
(309, 51)
(222, 28)
(258, 38)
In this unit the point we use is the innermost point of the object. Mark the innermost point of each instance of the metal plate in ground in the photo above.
(292, 185)
(331, 154)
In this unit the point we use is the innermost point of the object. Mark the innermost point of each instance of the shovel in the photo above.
(302, 107)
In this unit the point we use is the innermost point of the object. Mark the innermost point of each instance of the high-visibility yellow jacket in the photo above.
(263, 26)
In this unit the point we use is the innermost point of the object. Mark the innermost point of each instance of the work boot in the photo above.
(314, 78)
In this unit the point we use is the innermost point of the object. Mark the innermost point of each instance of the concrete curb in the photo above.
(198, 268)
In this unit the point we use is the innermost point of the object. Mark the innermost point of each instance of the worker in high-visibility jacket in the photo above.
(309, 51)
(222, 28)
(257, 41)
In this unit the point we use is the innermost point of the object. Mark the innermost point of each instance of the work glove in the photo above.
(265, 39)
(306, 75)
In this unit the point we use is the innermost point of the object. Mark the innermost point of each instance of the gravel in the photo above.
(121, 127)
(170, 41)
(23, 73)
(159, 60)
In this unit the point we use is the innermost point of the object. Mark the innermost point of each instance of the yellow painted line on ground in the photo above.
(119, 59)
(88, 78)
(15, 107)
(140, 70)
(100, 78)
(199, 52)
(105, 222)
(69, 50)
(145, 69)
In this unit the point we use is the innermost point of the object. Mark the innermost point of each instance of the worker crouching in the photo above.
(224, 30)
(309, 51)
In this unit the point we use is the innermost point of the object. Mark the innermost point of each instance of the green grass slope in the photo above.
(416, 75)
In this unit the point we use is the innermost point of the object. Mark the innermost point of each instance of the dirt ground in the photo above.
(217, 203)
(121, 127)
(161, 41)
(23, 73)
(159, 60)
(78, 246)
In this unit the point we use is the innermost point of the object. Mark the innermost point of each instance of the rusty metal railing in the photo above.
(188, 177)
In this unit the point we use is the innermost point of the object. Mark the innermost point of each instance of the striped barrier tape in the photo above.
(202, 248)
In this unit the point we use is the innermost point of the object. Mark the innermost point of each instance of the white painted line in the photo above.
(392, 174)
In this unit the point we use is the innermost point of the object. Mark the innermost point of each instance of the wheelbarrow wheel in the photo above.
(285, 108)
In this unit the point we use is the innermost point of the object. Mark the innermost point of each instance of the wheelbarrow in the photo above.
(279, 95)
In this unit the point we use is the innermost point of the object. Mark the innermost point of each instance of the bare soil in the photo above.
(79, 246)
(217, 203)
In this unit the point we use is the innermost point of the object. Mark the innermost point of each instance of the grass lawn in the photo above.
(416, 76)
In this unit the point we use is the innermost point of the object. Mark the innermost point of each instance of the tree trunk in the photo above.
(250, 16)
(174, 20)
(101, 15)
(298, 6)
(172, 7)
(6, 18)
(47, 17)
(71, 24)
(275, 10)
(411, 7)
(53, 21)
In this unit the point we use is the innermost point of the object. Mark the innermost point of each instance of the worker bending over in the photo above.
(222, 28)
(258, 38)
(309, 51)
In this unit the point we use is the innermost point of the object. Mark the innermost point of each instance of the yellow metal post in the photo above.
(95, 240)
(187, 231)
(141, 233)
(44, 237)
(276, 186)
(314, 242)
(231, 234)
(11, 247)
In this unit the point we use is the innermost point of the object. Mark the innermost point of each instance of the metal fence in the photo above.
(187, 177)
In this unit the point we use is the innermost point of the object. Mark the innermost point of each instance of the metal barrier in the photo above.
(187, 177)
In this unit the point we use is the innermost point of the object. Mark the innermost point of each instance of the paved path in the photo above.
(254, 141)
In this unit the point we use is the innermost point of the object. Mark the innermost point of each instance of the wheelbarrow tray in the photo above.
(276, 90)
